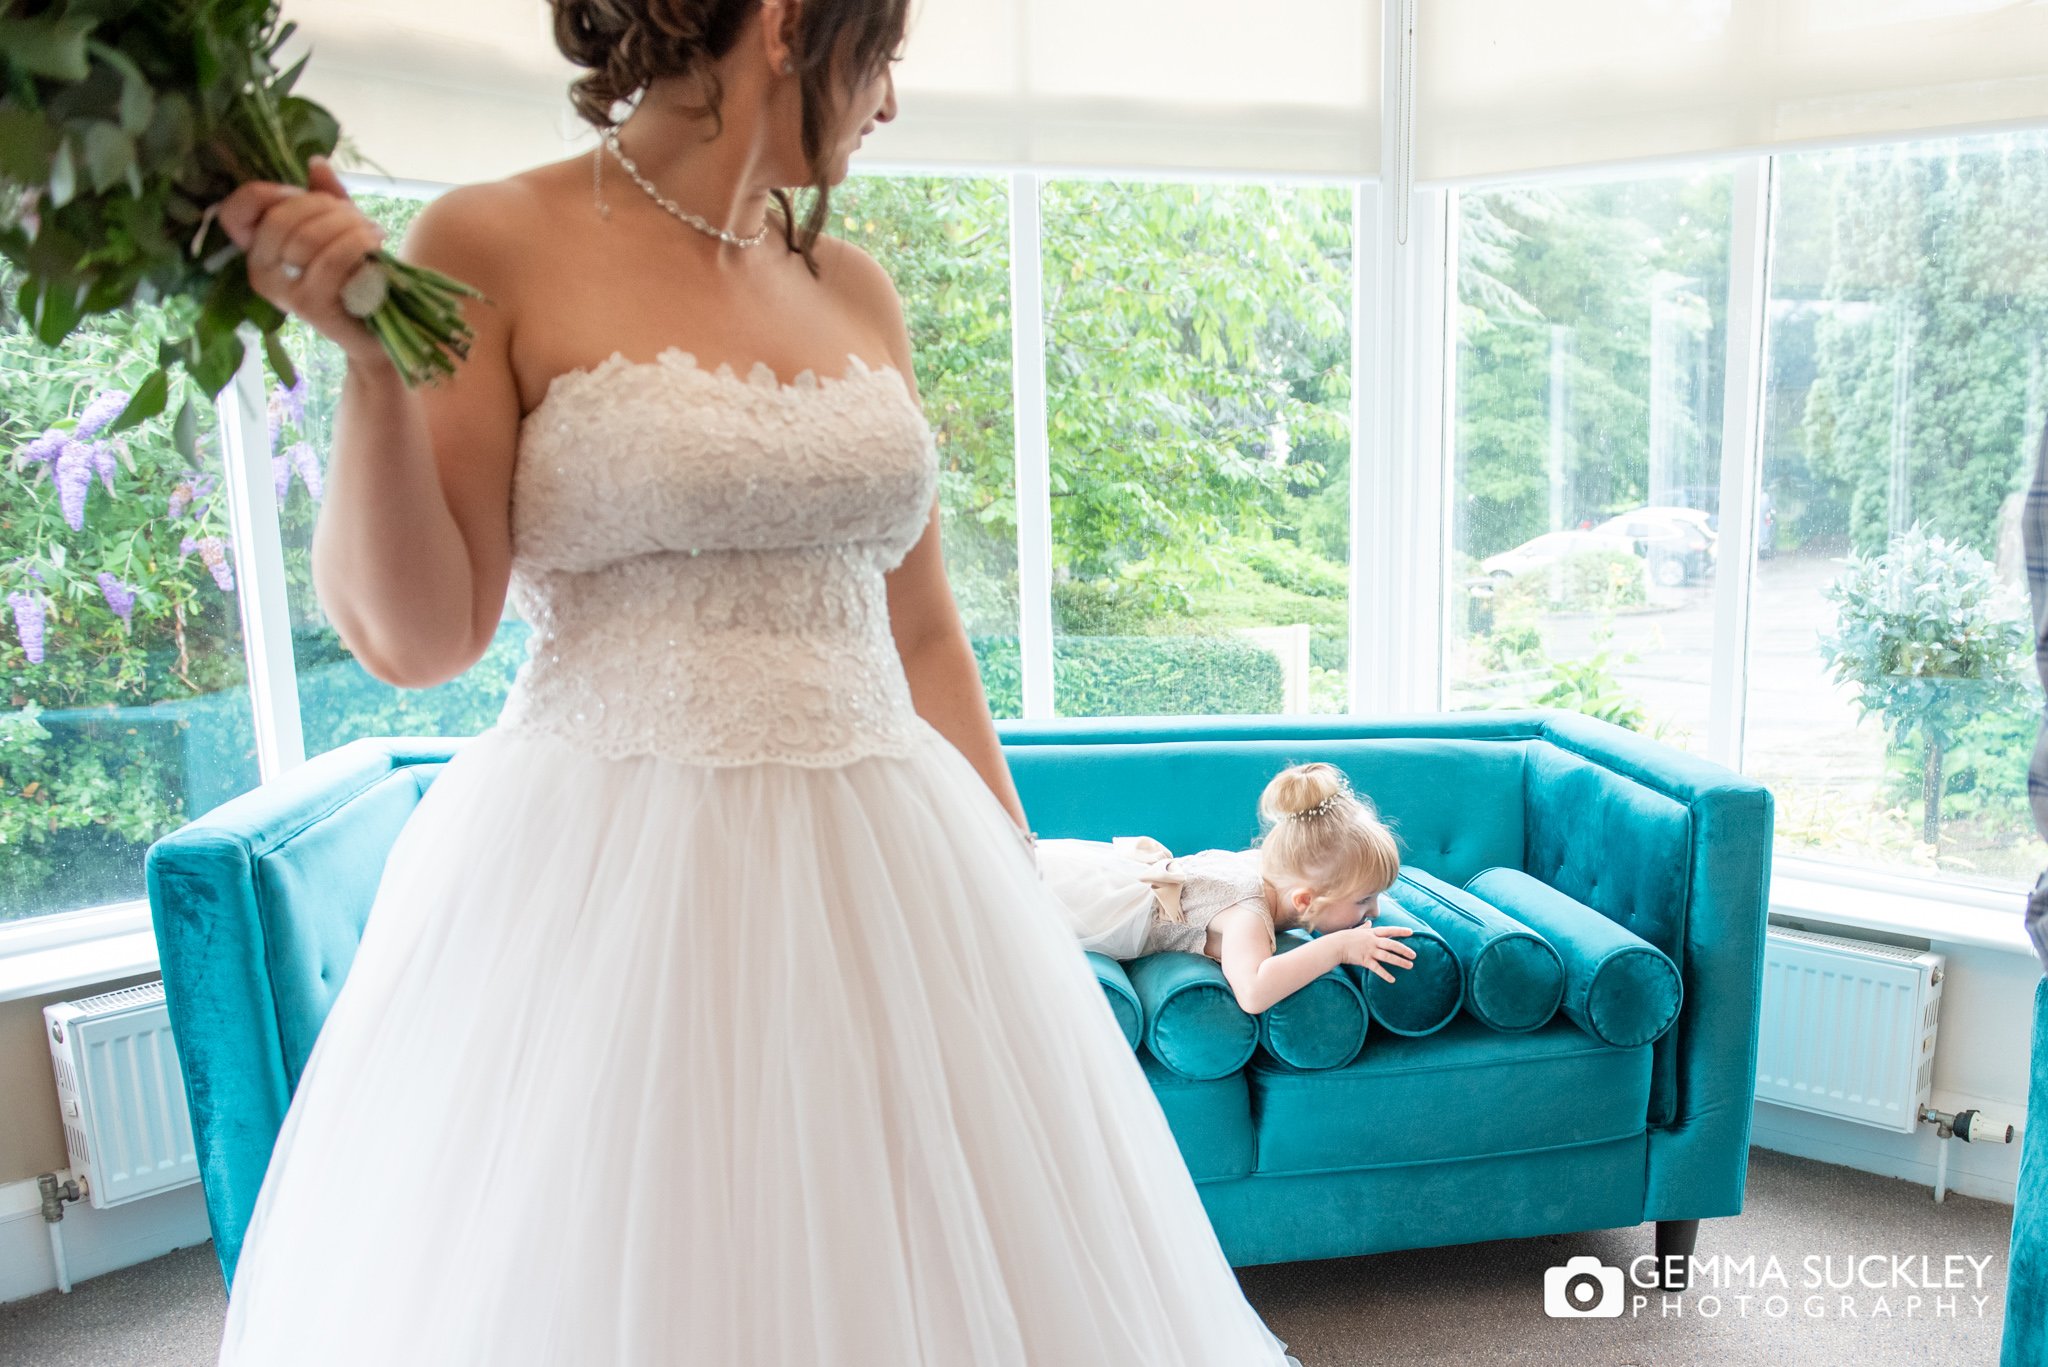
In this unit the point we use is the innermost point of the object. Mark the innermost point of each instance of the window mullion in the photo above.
(259, 569)
(1033, 461)
(1741, 455)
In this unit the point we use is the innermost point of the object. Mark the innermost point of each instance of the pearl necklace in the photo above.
(611, 143)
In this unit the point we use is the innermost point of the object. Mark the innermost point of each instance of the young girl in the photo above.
(1325, 860)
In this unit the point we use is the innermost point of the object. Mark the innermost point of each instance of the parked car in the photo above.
(1679, 543)
(1707, 498)
(1552, 547)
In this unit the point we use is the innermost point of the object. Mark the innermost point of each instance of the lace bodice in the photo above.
(701, 558)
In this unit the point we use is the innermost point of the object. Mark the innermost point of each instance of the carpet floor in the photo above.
(1475, 1304)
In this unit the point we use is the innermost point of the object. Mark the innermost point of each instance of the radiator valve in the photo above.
(55, 1194)
(1972, 1126)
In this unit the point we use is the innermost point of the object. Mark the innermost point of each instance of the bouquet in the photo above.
(122, 122)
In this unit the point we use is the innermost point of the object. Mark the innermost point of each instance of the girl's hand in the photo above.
(302, 246)
(1370, 946)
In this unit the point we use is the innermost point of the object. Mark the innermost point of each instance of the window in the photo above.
(946, 242)
(1892, 697)
(1198, 355)
(127, 707)
(1586, 468)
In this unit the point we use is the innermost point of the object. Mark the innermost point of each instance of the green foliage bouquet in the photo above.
(122, 123)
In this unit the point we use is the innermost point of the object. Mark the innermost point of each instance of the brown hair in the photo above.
(627, 45)
(1325, 834)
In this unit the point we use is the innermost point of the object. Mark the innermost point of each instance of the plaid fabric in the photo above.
(2034, 532)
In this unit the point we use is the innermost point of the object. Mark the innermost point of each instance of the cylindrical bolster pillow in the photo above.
(1123, 998)
(1424, 996)
(1192, 1022)
(1322, 1026)
(1618, 987)
(1514, 980)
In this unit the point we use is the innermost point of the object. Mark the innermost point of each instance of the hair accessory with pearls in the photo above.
(1322, 808)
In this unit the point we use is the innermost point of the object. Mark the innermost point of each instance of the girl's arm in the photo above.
(1257, 975)
(1260, 977)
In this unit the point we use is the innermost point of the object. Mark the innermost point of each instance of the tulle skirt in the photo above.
(642, 1063)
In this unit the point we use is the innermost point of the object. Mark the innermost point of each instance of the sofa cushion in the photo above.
(1514, 980)
(1123, 998)
(1462, 1092)
(1193, 1023)
(1619, 989)
(1321, 1026)
(1211, 1120)
(1424, 996)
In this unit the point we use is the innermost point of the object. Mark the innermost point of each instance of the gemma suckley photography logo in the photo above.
(1817, 1286)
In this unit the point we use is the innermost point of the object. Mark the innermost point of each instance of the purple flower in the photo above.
(287, 405)
(104, 408)
(102, 453)
(120, 597)
(44, 448)
(28, 624)
(187, 546)
(74, 477)
(306, 461)
(180, 496)
(280, 474)
(214, 552)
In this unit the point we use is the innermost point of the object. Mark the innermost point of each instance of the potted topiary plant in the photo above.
(1930, 640)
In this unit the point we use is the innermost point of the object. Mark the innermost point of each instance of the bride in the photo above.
(710, 1010)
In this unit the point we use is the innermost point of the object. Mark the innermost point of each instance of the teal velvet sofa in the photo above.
(2026, 1283)
(1441, 1129)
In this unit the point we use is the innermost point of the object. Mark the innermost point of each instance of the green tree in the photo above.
(1932, 336)
(1931, 645)
(1186, 326)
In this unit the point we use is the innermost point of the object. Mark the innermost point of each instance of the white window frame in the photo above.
(1404, 283)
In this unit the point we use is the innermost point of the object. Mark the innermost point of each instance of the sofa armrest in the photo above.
(1675, 850)
(217, 945)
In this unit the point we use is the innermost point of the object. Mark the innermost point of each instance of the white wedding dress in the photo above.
(710, 1011)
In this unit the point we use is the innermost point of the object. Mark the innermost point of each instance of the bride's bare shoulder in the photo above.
(488, 228)
(865, 288)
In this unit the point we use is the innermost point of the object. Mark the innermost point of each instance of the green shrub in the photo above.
(1932, 645)
(1168, 676)
(1591, 581)
(1289, 566)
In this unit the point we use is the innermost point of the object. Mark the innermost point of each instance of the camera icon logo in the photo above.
(1584, 1288)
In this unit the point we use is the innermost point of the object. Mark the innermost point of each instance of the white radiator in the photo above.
(1848, 1027)
(122, 1094)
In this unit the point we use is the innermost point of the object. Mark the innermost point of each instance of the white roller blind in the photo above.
(441, 90)
(456, 90)
(1198, 85)
(1511, 86)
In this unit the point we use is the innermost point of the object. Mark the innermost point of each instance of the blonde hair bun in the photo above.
(1326, 835)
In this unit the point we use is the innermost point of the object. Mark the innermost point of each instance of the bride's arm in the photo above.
(945, 682)
(412, 550)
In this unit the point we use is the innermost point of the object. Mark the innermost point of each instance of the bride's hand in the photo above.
(302, 246)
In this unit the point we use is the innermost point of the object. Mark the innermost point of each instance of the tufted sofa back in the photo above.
(259, 905)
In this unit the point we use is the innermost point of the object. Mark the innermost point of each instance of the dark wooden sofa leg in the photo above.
(1676, 1240)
